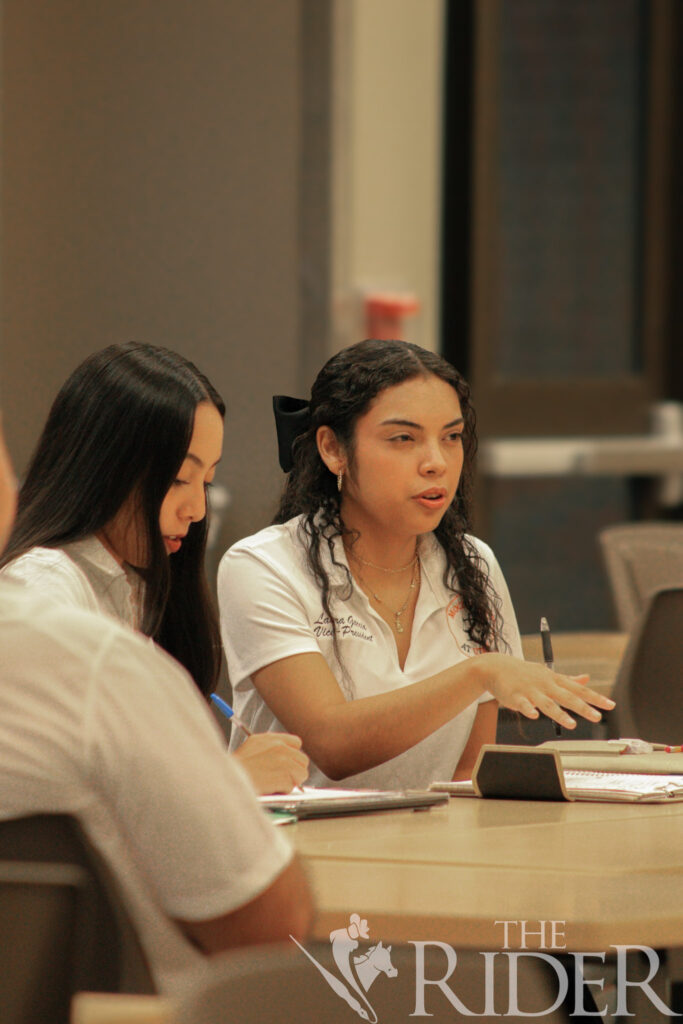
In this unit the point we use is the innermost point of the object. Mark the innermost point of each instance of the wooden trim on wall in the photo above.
(605, 404)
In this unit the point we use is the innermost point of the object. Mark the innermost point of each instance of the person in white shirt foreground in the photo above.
(112, 515)
(98, 723)
(367, 619)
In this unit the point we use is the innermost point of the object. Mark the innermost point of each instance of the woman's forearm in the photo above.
(346, 737)
(358, 735)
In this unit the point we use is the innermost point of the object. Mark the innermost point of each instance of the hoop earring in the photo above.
(340, 478)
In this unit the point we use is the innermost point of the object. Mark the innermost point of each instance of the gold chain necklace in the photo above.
(398, 625)
(364, 561)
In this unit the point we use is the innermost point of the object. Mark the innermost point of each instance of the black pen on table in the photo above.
(549, 660)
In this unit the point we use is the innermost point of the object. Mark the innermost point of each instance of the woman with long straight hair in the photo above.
(112, 515)
(367, 619)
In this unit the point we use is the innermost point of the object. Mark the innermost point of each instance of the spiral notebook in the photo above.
(532, 773)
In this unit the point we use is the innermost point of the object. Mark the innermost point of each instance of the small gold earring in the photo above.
(340, 478)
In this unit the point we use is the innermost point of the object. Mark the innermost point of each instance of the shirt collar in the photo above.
(432, 565)
(93, 551)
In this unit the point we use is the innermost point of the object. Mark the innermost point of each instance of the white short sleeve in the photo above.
(262, 617)
(186, 809)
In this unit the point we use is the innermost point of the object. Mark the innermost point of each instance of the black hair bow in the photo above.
(292, 418)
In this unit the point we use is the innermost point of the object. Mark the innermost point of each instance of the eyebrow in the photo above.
(197, 461)
(418, 426)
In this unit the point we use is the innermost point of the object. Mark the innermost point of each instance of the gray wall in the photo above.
(151, 189)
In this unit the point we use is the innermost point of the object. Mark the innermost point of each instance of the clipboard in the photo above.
(308, 806)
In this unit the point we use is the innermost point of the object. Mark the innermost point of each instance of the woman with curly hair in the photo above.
(367, 619)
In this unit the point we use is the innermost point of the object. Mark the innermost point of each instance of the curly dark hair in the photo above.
(342, 392)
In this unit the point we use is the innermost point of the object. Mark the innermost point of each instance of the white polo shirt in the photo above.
(270, 608)
(96, 722)
(82, 574)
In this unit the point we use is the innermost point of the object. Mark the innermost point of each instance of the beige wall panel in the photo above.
(150, 191)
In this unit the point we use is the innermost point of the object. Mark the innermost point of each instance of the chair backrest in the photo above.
(72, 901)
(45, 911)
(268, 985)
(640, 558)
(648, 689)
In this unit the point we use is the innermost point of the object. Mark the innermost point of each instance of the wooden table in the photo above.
(612, 872)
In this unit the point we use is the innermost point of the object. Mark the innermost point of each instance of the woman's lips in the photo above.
(431, 499)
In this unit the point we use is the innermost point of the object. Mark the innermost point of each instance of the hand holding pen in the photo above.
(274, 761)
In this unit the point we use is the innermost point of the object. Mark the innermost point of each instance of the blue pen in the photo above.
(225, 709)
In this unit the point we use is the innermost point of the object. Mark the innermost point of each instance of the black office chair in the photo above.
(63, 926)
(648, 689)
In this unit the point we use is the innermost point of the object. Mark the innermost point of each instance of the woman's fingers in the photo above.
(553, 709)
(531, 688)
(535, 702)
(522, 704)
(555, 696)
(562, 696)
(577, 686)
(581, 701)
(274, 761)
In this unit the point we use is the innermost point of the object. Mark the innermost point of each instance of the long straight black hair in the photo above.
(342, 392)
(121, 425)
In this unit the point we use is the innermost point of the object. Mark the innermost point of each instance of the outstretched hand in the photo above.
(530, 688)
(274, 762)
